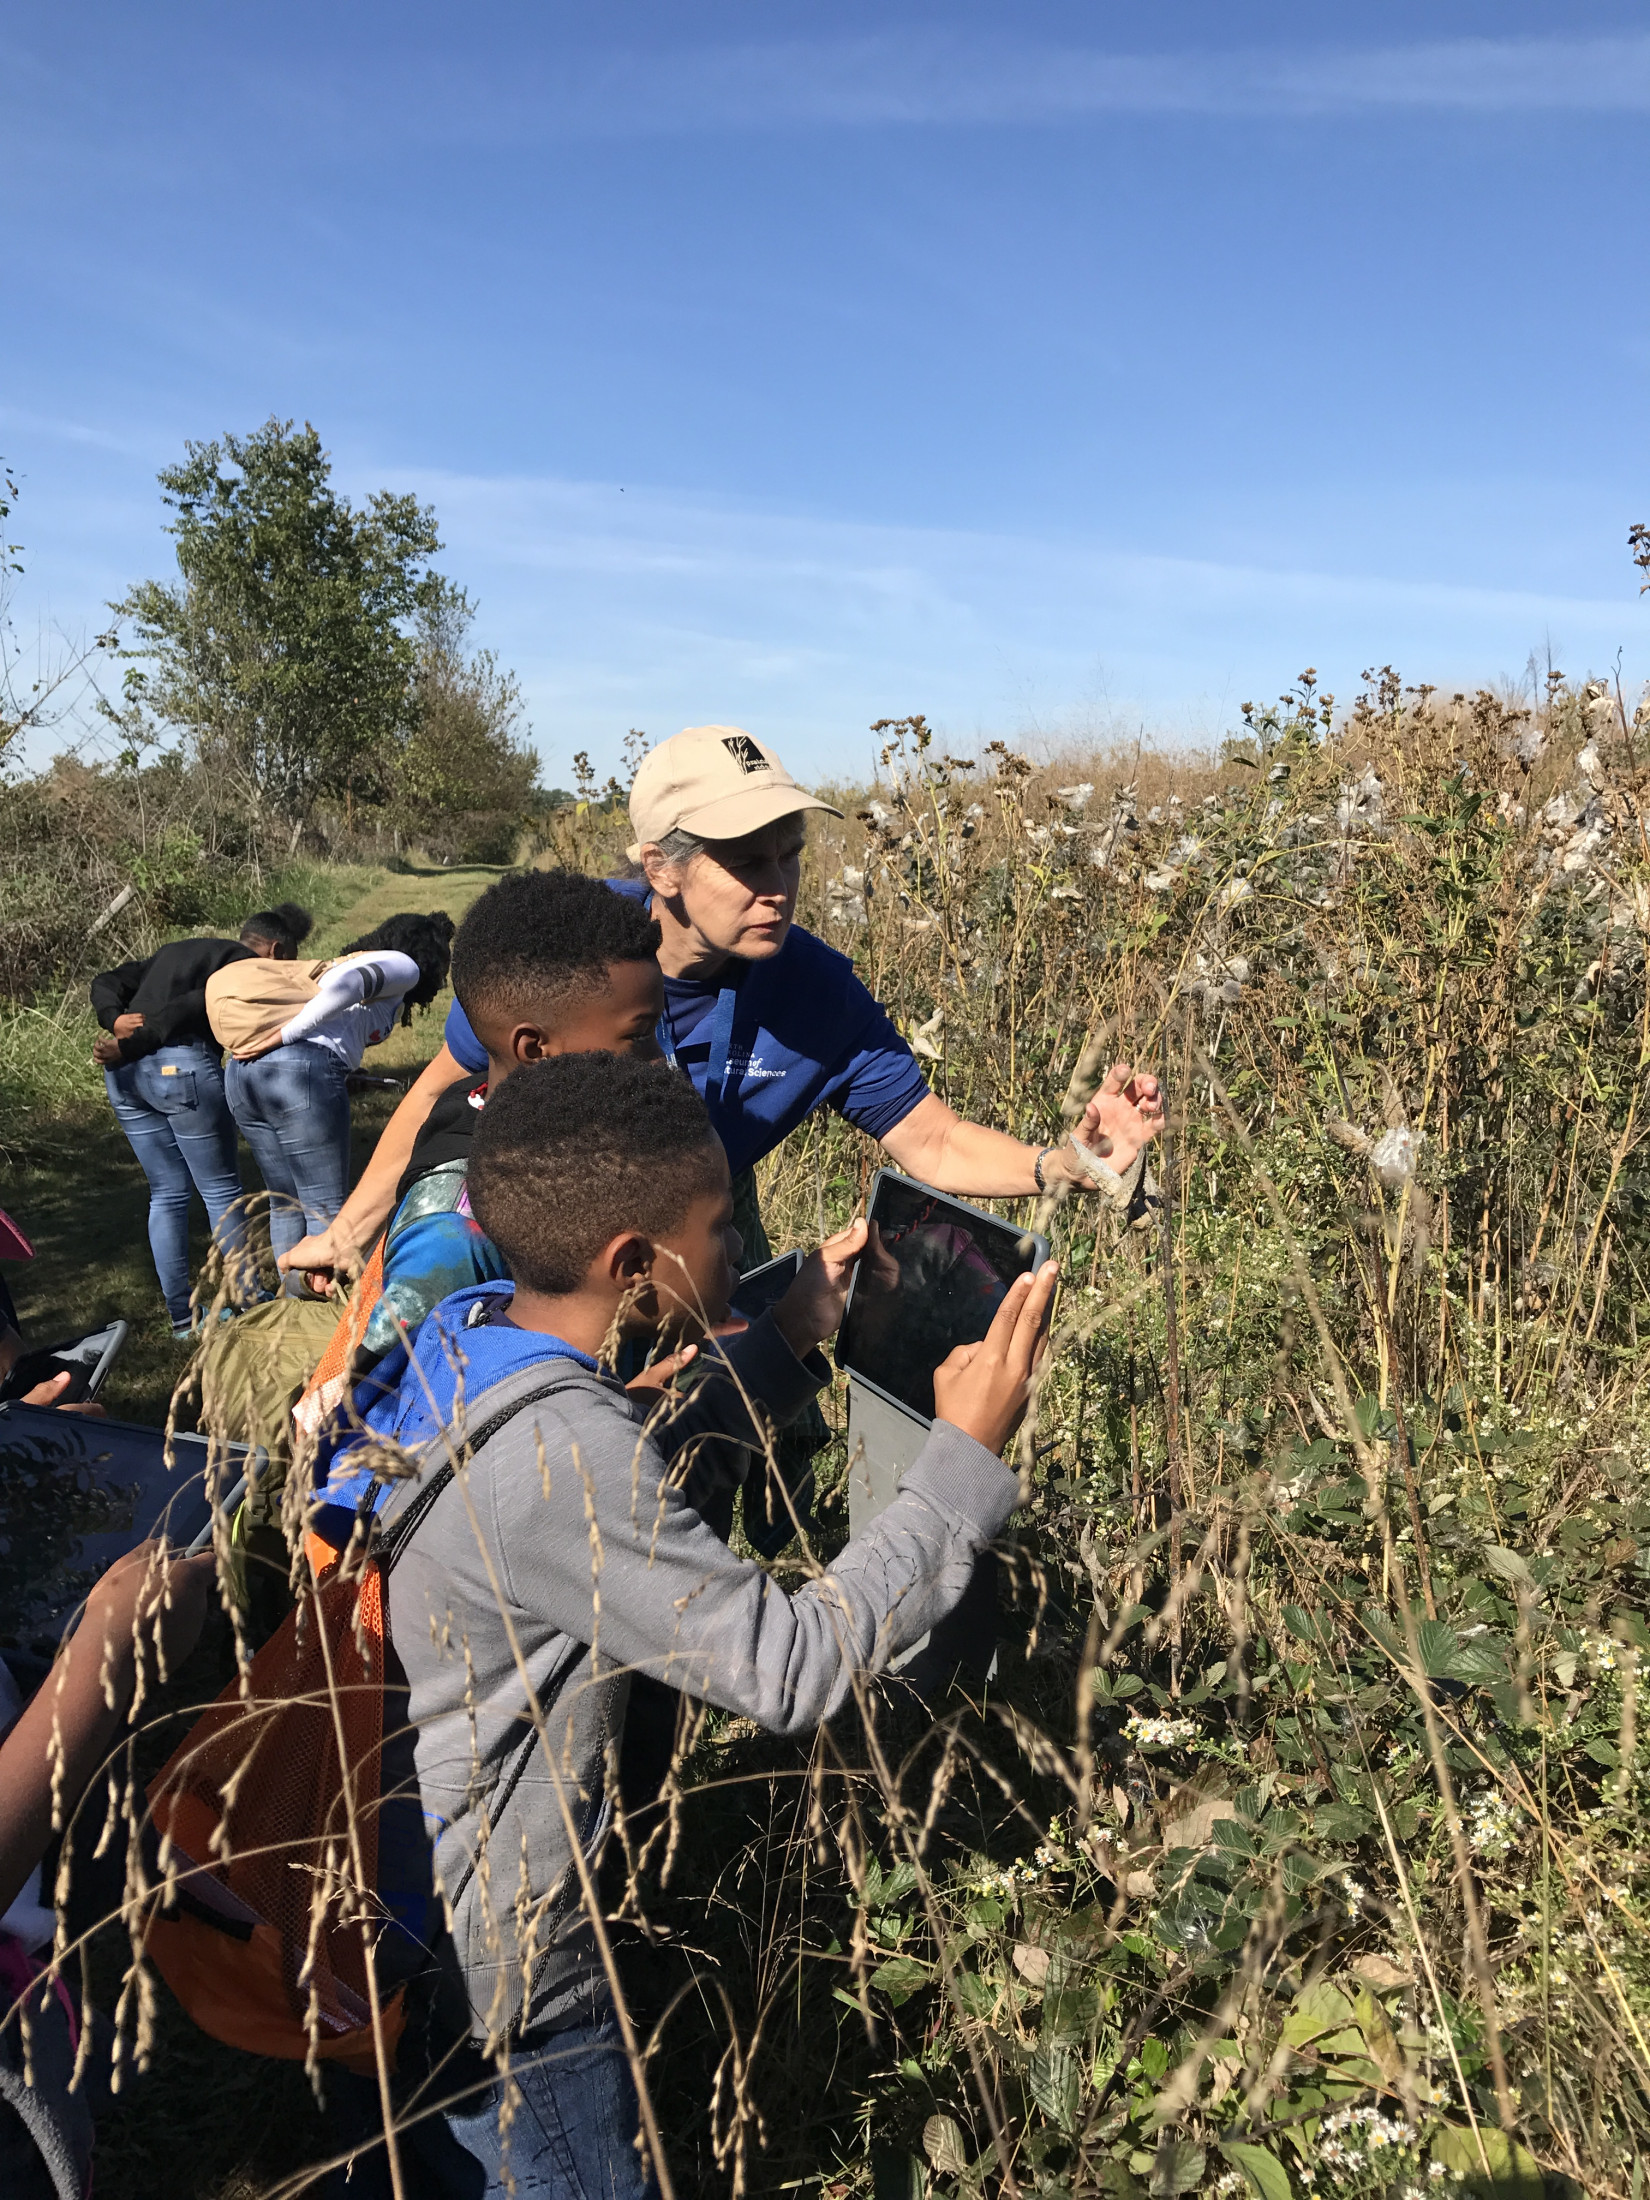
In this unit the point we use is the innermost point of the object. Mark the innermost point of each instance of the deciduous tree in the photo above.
(283, 652)
(464, 774)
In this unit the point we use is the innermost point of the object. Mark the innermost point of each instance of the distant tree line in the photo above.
(305, 686)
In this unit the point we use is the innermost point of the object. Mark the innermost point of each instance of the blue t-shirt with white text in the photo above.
(806, 1034)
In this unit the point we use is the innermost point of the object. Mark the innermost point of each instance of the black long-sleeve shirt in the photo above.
(168, 990)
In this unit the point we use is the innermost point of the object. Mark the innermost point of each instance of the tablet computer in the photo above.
(931, 1278)
(85, 1360)
(760, 1288)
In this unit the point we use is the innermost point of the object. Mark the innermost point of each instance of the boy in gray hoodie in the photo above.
(565, 1550)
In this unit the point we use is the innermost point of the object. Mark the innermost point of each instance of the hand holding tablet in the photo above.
(943, 1309)
(811, 1310)
(983, 1388)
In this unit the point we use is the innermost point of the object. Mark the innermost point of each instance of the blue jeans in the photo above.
(572, 2132)
(293, 1108)
(171, 1106)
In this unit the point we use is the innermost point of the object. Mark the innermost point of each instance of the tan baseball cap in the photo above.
(717, 781)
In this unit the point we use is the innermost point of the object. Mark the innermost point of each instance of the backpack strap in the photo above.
(400, 1530)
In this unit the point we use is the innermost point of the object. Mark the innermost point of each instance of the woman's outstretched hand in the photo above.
(983, 1388)
(1124, 1115)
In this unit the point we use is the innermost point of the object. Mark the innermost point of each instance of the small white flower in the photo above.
(1148, 1732)
(1492, 1824)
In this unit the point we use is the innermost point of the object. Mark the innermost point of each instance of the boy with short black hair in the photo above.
(539, 949)
(567, 1551)
(547, 962)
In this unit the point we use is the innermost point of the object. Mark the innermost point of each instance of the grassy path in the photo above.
(77, 1190)
(422, 888)
(207, 2123)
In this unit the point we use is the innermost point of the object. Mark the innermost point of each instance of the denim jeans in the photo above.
(293, 1108)
(571, 2134)
(172, 1108)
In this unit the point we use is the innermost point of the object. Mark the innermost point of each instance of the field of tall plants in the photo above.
(1296, 1846)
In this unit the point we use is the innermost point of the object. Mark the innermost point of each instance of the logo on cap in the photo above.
(745, 752)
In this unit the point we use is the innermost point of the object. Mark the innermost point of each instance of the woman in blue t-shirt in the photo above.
(768, 1021)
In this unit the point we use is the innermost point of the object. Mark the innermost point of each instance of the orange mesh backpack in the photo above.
(269, 1814)
(268, 1823)
(327, 1381)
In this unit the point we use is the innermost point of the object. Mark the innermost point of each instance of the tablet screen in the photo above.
(931, 1278)
(78, 1492)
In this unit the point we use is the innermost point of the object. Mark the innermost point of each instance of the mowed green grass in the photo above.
(74, 1186)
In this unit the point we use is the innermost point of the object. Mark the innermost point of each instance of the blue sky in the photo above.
(1053, 369)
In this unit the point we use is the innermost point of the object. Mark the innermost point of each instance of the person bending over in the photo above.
(294, 1033)
(163, 1071)
(607, 1191)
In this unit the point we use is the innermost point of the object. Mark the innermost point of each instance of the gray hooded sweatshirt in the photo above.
(567, 1553)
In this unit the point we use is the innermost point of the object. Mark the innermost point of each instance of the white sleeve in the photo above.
(381, 976)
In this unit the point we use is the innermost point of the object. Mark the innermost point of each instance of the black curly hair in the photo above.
(427, 939)
(542, 938)
(287, 924)
(577, 1148)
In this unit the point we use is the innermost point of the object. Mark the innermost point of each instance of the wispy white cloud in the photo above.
(644, 608)
(907, 78)
(53, 427)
